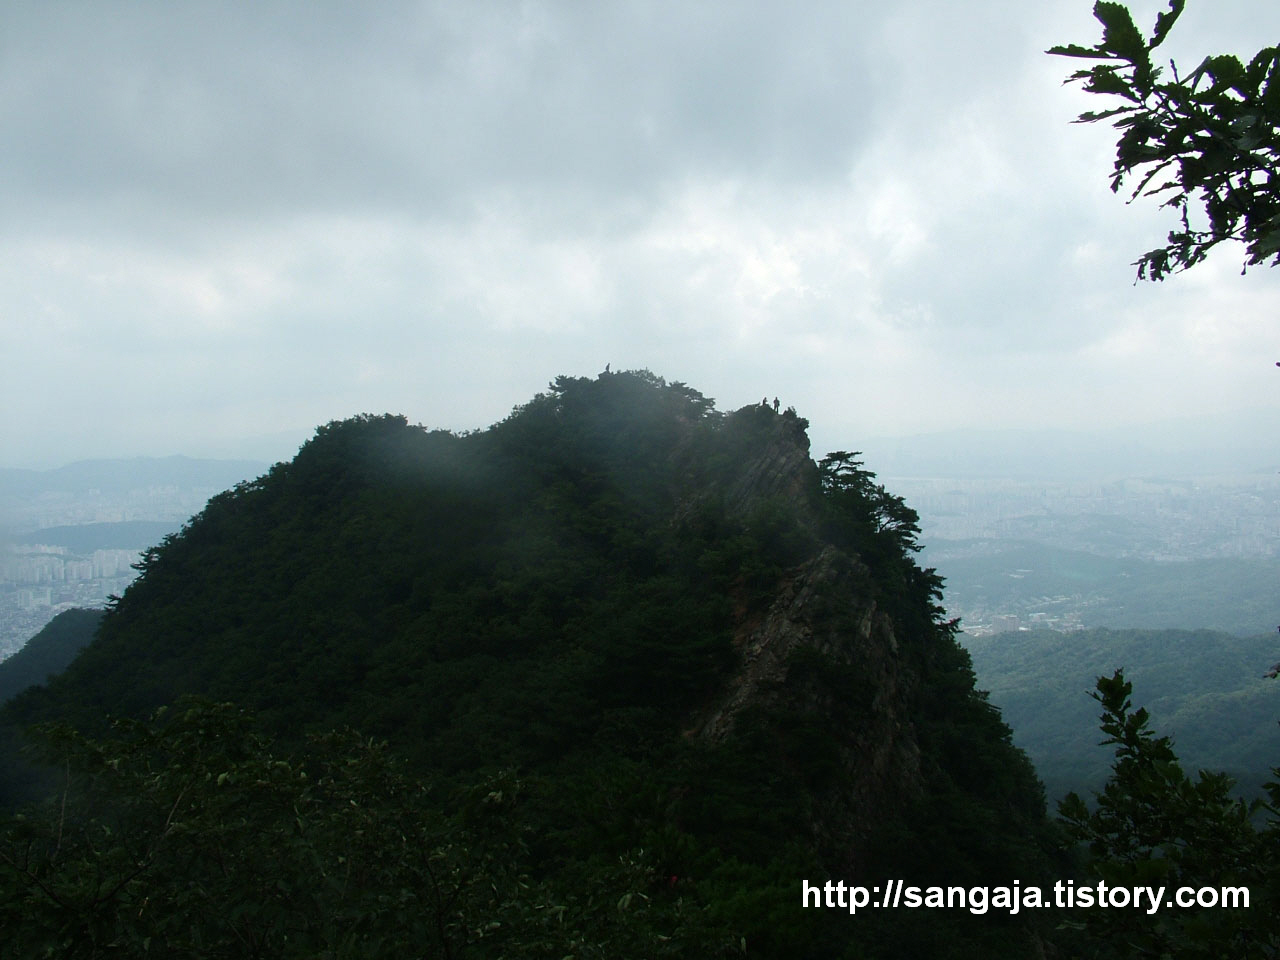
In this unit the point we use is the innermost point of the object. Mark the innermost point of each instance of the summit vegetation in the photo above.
(625, 671)
(611, 678)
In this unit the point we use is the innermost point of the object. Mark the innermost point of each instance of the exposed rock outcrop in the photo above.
(821, 614)
(779, 468)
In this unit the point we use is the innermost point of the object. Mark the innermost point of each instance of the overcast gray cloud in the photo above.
(225, 222)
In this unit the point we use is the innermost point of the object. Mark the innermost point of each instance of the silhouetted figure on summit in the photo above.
(775, 404)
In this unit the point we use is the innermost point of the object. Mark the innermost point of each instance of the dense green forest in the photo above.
(1204, 689)
(48, 652)
(613, 677)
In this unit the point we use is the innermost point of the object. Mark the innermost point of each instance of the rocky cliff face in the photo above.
(779, 467)
(821, 611)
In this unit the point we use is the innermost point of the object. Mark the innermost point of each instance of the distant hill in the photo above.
(1203, 688)
(123, 475)
(49, 652)
(88, 537)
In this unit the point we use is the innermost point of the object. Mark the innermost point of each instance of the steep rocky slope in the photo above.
(687, 636)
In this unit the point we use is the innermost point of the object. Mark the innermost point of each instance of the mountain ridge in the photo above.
(632, 598)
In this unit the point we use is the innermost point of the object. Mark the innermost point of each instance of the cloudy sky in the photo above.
(223, 224)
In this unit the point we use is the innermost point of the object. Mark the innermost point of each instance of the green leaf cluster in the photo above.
(1207, 139)
(1152, 824)
(1203, 688)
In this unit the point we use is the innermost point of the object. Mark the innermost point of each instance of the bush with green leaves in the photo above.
(189, 835)
(1153, 825)
(1207, 138)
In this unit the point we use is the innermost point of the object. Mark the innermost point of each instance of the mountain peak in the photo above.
(665, 613)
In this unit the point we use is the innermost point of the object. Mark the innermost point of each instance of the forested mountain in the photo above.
(85, 538)
(121, 475)
(48, 652)
(1203, 688)
(708, 667)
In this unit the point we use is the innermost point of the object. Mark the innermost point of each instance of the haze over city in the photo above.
(223, 226)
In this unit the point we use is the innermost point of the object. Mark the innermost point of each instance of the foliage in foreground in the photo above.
(186, 835)
(1153, 825)
(1202, 687)
(1209, 137)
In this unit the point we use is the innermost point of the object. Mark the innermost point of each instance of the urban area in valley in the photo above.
(1021, 554)
(71, 536)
